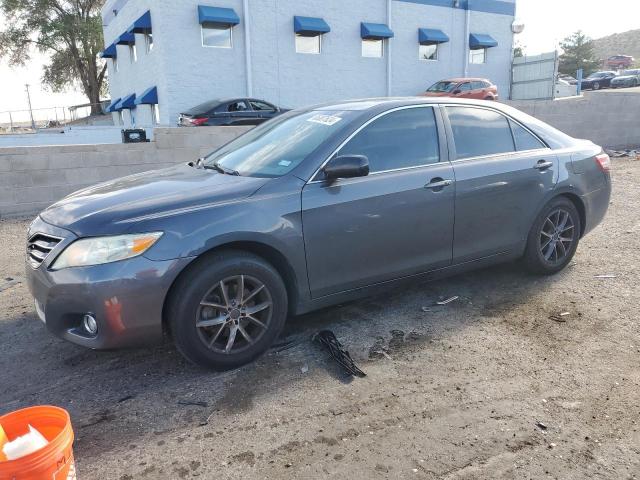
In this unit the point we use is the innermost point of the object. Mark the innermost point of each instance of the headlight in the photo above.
(99, 250)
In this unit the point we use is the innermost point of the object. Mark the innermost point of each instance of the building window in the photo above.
(115, 63)
(218, 36)
(120, 118)
(428, 52)
(305, 44)
(132, 117)
(372, 48)
(148, 41)
(133, 52)
(155, 114)
(478, 56)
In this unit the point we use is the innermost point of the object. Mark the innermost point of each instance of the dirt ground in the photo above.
(485, 387)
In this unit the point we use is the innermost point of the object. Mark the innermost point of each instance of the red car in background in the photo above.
(475, 88)
(620, 61)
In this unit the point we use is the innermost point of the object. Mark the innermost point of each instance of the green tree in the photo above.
(518, 50)
(578, 52)
(69, 31)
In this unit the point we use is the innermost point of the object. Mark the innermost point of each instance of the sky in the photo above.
(546, 23)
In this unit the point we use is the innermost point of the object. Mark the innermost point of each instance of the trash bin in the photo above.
(134, 135)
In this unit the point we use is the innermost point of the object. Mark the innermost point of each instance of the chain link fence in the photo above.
(28, 121)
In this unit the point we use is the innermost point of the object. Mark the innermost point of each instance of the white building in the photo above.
(166, 56)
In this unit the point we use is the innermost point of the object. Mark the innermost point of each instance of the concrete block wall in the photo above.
(605, 118)
(32, 178)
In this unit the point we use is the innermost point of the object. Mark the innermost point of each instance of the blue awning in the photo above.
(142, 25)
(429, 36)
(481, 40)
(126, 39)
(310, 26)
(128, 102)
(218, 16)
(148, 97)
(113, 105)
(375, 31)
(110, 52)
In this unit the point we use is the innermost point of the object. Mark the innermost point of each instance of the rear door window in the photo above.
(464, 87)
(239, 106)
(479, 132)
(524, 139)
(259, 106)
(400, 139)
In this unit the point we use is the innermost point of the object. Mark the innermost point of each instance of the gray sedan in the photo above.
(313, 208)
(628, 78)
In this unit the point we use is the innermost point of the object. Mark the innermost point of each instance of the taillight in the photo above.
(198, 121)
(604, 162)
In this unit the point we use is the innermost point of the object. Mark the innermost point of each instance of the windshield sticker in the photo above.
(284, 163)
(328, 120)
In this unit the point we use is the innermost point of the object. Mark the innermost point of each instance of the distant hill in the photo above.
(625, 43)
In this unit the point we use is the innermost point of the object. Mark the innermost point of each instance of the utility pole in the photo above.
(33, 123)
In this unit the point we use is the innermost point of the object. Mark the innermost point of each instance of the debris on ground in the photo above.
(448, 300)
(328, 339)
(606, 276)
(193, 403)
(541, 426)
(8, 283)
(287, 344)
(304, 368)
(558, 318)
(623, 153)
(426, 309)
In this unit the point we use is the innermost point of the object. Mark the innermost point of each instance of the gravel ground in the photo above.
(486, 387)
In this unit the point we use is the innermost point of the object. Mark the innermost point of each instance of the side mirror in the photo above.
(347, 166)
(456, 92)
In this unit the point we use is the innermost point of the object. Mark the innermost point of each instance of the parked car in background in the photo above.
(237, 111)
(568, 78)
(314, 208)
(628, 78)
(468, 88)
(620, 61)
(598, 80)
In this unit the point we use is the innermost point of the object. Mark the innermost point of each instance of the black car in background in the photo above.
(598, 80)
(236, 111)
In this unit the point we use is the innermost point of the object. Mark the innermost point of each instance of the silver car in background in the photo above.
(628, 78)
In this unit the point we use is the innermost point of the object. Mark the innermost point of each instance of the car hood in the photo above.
(114, 207)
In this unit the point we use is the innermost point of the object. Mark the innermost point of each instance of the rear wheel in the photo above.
(553, 238)
(488, 98)
(227, 310)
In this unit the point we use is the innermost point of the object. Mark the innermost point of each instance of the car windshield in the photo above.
(203, 107)
(444, 86)
(630, 72)
(278, 146)
(597, 75)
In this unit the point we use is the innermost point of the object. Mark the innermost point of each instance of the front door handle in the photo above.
(542, 165)
(438, 183)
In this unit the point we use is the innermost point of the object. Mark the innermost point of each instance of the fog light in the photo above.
(90, 325)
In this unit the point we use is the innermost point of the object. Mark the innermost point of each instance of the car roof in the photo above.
(393, 102)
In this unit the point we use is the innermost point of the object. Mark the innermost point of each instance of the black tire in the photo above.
(596, 86)
(201, 280)
(535, 253)
(488, 98)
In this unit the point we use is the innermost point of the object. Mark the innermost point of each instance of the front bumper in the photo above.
(126, 298)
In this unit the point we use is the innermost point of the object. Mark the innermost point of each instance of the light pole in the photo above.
(33, 123)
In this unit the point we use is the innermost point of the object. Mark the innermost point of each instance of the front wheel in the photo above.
(596, 86)
(553, 238)
(227, 310)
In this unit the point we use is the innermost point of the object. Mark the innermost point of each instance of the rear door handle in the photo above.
(438, 183)
(542, 165)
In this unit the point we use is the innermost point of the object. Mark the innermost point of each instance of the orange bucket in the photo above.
(53, 462)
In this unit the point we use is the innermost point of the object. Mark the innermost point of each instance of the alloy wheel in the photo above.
(234, 314)
(557, 236)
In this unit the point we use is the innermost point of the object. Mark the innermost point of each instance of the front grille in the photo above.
(39, 246)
